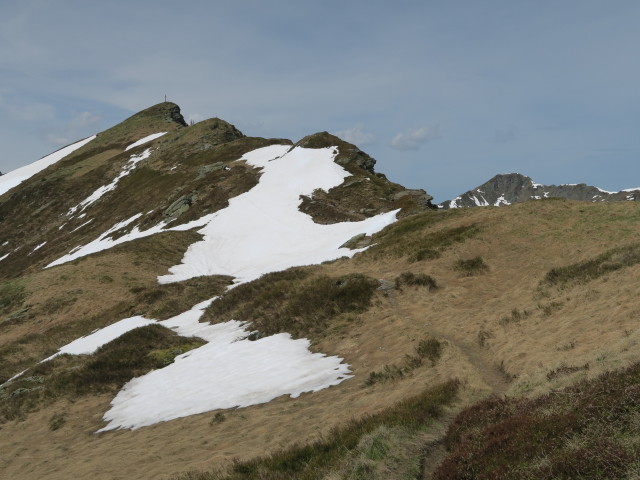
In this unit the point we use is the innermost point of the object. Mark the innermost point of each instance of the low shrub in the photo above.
(515, 316)
(294, 301)
(430, 348)
(470, 267)
(588, 430)
(421, 279)
(607, 262)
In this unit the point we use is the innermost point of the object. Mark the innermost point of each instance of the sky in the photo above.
(443, 94)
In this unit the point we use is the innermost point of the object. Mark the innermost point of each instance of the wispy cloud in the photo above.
(412, 139)
(357, 136)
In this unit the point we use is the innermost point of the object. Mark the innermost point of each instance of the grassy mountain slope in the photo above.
(444, 309)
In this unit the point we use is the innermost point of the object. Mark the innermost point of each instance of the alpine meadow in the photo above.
(180, 301)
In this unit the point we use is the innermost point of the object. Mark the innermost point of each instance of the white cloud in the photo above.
(356, 135)
(412, 139)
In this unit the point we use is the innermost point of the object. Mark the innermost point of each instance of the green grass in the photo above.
(582, 272)
(587, 431)
(108, 369)
(294, 301)
(317, 459)
(12, 295)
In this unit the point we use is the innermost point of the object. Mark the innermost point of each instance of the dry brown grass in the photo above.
(594, 323)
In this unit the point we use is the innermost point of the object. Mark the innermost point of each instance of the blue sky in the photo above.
(444, 94)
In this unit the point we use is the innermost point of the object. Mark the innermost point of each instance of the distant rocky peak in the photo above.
(509, 188)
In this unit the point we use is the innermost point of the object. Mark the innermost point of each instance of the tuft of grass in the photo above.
(421, 279)
(470, 267)
(429, 348)
(565, 370)
(318, 459)
(56, 421)
(582, 272)
(515, 316)
(588, 430)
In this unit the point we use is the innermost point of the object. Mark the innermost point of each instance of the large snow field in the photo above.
(229, 371)
(19, 175)
(263, 231)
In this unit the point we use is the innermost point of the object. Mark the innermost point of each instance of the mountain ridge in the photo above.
(188, 303)
(505, 189)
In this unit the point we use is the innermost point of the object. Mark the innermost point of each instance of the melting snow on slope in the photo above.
(229, 371)
(263, 231)
(144, 140)
(92, 342)
(105, 242)
(19, 175)
(99, 192)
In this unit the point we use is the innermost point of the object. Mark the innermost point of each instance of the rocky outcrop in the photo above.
(515, 188)
(348, 154)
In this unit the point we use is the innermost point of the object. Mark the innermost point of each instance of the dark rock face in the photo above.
(348, 154)
(175, 116)
(514, 188)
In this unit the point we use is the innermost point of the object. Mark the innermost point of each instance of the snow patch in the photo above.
(19, 175)
(38, 247)
(98, 193)
(501, 201)
(229, 371)
(480, 203)
(92, 342)
(85, 223)
(4, 256)
(144, 140)
(454, 202)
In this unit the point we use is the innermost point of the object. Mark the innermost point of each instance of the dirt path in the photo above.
(434, 450)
